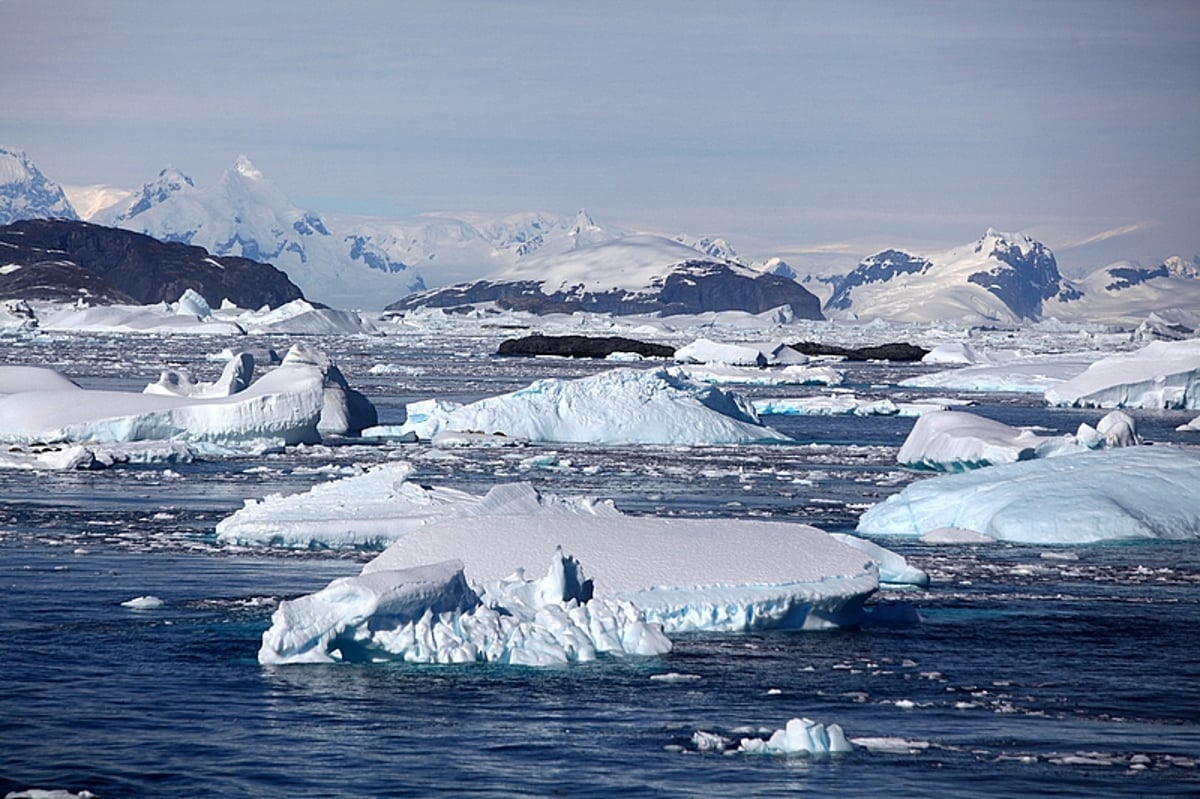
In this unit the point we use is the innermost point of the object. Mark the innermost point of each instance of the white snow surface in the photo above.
(620, 406)
(687, 574)
(845, 404)
(1106, 495)
(1161, 375)
(1031, 374)
(375, 508)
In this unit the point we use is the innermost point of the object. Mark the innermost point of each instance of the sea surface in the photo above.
(1034, 671)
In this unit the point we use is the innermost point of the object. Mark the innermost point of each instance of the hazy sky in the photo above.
(790, 128)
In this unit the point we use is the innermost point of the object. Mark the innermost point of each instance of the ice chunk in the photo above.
(894, 569)
(954, 441)
(345, 411)
(235, 377)
(1104, 495)
(429, 614)
(1163, 374)
(148, 602)
(800, 737)
(621, 406)
(705, 351)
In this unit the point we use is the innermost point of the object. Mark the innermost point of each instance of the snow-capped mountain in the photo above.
(246, 215)
(25, 193)
(632, 274)
(1126, 293)
(1002, 277)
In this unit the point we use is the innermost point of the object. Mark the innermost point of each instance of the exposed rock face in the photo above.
(56, 281)
(691, 287)
(898, 351)
(127, 266)
(1026, 275)
(582, 346)
(878, 268)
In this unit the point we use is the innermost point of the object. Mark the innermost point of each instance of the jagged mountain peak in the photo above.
(245, 167)
(25, 193)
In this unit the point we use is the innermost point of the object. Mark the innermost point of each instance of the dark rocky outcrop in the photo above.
(582, 346)
(689, 288)
(56, 281)
(129, 266)
(898, 351)
(877, 268)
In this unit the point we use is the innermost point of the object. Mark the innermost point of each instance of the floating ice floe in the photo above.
(800, 737)
(147, 602)
(722, 374)
(1024, 375)
(1190, 427)
(293, 403)
(703, 351)
(374, 509)
(848, 405)
(621, 406)
(955, 441)
(1163, 374)
(1106, 495)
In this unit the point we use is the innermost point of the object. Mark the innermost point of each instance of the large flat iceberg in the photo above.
(1105, 495)
(621, 406)
(1163, 374)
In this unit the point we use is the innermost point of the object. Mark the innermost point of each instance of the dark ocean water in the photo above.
(1035, 671)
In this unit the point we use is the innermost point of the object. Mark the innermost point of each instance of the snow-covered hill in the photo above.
(1127, 293)
(640, 273)
(1002, 277)
(25, 193)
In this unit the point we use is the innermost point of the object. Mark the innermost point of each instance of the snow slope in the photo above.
(25, 193)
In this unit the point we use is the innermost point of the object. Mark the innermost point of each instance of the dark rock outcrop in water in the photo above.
(898, 351)
(128, 267)
(582, 346)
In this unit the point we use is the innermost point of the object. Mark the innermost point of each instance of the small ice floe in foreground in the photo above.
(800, 737)
(1105, 495)
(621, 406)
(148, 602)
(1161, 375)
(953, 441)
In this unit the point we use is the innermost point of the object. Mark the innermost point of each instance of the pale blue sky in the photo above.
(787, 127)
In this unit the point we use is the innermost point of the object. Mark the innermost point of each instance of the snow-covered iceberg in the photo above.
(429, 614)
(953, 441)
(1163, 374)
(1106, 495)
(1026, 375)
(621, 406)
(846, 405)
(371, 510)
(296, 402)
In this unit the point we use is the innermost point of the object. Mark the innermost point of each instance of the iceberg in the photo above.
(686, 574)
(794, 375)
(955, 441)
(894, 569)
(800, 737)
(845, 404)
(235, 377)
(620, 406)
(1163, 375)
(371, 510)
(429, 614)
(1132, 493)
(1024, 375)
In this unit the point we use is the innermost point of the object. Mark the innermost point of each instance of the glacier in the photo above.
(1130, 493)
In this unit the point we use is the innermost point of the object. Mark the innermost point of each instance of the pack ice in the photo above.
(1104, 495)
(620, 406)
